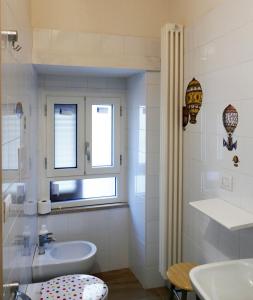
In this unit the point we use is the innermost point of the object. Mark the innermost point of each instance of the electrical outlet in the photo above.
(227, 183)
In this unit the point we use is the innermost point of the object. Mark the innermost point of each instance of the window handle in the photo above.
(87, 151)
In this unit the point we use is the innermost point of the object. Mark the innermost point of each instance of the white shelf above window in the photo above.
(226, 214)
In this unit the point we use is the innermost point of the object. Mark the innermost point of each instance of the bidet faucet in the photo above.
(23, 296)
(44, 239)
(11, 290)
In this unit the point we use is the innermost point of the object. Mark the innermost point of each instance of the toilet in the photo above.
(69, 287)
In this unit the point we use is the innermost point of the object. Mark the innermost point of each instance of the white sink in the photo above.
(231, 280)
(75, 257)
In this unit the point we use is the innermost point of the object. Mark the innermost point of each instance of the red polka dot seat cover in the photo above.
(74, 287)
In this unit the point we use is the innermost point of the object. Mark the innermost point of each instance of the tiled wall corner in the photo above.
(143, 175)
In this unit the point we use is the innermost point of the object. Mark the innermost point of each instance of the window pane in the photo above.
(82, 189)
(65, 136)
(102, 126)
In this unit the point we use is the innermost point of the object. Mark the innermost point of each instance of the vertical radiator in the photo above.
(170, 227)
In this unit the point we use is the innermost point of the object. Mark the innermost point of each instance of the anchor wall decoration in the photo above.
(230, 122)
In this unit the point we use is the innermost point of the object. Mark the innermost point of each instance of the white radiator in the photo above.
(170, 233)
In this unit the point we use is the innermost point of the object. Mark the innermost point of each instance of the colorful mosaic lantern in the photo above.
(193, 99)
(230, 122)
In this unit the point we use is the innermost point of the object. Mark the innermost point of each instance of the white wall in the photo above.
(136, 113)
(153, 277)
(136, 18)
(188, 12)
(219, 53)
(18, 85)
(117, 17)
(80, 49)
(143, 175)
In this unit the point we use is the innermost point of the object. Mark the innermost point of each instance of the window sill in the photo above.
(68, 210)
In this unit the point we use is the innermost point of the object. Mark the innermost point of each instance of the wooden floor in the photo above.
(123, 285)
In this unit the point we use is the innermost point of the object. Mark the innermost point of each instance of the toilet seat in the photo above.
(74, 287)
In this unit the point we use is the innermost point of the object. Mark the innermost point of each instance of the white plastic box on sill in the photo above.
(226, 214)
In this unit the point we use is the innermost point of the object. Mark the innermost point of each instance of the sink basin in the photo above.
(70, 250)
(231, 280)
(75, 257)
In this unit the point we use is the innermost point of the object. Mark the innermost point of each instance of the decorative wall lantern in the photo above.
(185, 116)
(230, 121)
(193, 100)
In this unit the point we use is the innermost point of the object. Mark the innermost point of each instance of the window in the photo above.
(91, 188)
(83, 149)
(65, 138)
(102, 136)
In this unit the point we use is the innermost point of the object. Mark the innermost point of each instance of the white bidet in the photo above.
(74, 257)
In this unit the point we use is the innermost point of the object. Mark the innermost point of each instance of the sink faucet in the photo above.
(44, 239)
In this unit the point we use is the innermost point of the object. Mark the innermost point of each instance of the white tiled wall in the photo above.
(219, 54)
(136, 112)
(153, 277)
(143, 106)
(19, 136)
(107, 229)
(56, 47)
(85, 82)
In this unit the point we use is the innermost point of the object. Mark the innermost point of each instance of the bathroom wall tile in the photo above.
(220, 56)
(107, 229)
(137, 218)
(152, 186)
(143, 173)
(153, 165)
(153, 116)
(88, 43)
(135, 46)
(152, 231)
(118, 239)
(152, 208)
(95, 50)
(153, 78)
(116, 83)
(112, 45)
(63, 41)
(42, 38)
(214, 24)
(152, 258)
(46, 81)
(153, 94)
(246, 243)
(97, 83)
(82, 82)
(153, 278)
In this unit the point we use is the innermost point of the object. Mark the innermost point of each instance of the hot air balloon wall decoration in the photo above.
(193, 101)
(230, 122)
